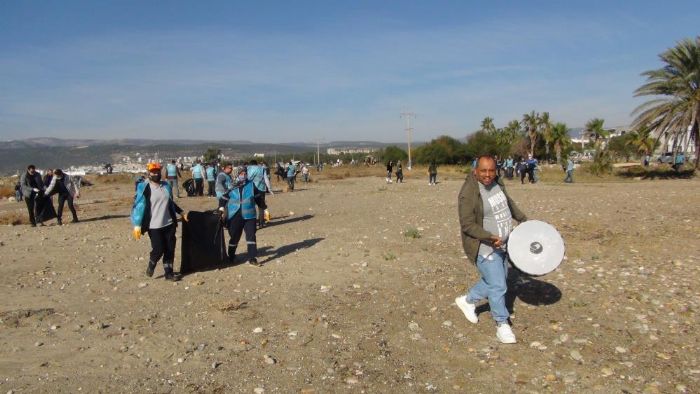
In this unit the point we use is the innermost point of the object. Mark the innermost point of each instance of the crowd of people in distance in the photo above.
(432, 172)
(37, 192)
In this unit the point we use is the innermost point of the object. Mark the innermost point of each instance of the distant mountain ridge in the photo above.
(49, 152)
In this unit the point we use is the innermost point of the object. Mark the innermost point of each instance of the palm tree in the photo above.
(595, 131)
(643, 141)
(560, 138)
(546, 127)
(531, 122)
(487, 125)
(677, 111)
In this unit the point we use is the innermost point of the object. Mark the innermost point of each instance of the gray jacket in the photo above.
(25, 182)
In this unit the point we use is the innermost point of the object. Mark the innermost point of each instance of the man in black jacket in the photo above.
(32, 187)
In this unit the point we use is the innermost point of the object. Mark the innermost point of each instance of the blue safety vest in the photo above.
(242, 198)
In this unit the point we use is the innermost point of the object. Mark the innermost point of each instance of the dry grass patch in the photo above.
(13, 218)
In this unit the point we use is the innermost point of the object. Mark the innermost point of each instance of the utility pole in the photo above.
(318, 153)
(409, 131)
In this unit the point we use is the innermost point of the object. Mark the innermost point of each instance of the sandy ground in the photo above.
(345, 302)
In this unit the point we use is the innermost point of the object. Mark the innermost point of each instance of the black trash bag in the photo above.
(189, 187)
(202, 245)
(44, 209)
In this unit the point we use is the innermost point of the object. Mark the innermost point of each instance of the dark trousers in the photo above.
(211, 185)
(163, 245)
(262, 206)
(531, 175)
(30, 208)
(432, 178)
(290, 182)
(523, 173)
(198, 187)
(62, 199)
(236, 226)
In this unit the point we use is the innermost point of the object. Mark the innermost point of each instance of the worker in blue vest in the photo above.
(211, 173)
(198, 176)
(238, 208)
(261, 182)
(172, 174)
(154, 212)
(223, 180)
(291, 175)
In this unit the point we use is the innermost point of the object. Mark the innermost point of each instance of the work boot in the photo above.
(150, 269)
(60, 222)
(172, 277)
(254, 261)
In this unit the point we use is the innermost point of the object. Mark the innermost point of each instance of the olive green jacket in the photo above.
(471, 215)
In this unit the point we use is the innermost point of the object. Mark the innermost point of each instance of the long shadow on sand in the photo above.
(103, 217)
(284, 220)
(528, 289)
(271, 254)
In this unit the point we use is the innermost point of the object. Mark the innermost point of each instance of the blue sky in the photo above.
(304, 70)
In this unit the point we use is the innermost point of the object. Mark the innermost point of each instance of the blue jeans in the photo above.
(492, 285)
(569, 176)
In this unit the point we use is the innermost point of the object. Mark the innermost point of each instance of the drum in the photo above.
(535, 247)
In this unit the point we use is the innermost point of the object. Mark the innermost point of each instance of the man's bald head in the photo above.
(485, 170)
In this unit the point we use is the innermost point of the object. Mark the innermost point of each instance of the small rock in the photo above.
(550, 378)
(413, 326)
(620, 349)
(351, 380)
(269, 359)
(606, 372)
(257, 330)
(37, 344)
(142, 285)
(180, 360)
(258, 390)
(215, 364)
(576, 355)
(447, 323)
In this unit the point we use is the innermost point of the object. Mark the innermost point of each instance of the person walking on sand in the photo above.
(32, 187)
(63, 185)
(258, 176)
(399, 172)
(238, 210)
(173, 174)
(486, 214)
(198, 176)
(211, 172)
(291, 175)
(432, 173)
(305, 173)
(569, 171)
(154, 212)
(223, 180)
(389, 168)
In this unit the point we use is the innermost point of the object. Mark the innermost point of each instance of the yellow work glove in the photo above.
(137, 232)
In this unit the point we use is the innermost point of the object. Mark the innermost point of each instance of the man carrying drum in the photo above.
(485, 215)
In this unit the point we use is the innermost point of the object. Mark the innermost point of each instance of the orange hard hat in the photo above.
(152, 167)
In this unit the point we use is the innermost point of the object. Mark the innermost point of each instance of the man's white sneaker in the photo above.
(505, 334)
(468, 309)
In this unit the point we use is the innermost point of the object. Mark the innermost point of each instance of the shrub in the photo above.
(411, 232)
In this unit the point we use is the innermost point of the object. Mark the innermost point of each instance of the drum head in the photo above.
(535, 247)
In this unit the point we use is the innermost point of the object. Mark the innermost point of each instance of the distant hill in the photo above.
(48, 152)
